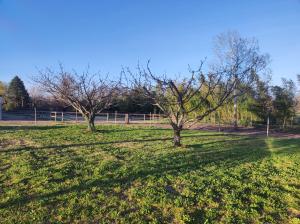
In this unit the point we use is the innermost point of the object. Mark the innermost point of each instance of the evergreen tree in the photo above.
(284, 101)
(262, 101)
(17, 95)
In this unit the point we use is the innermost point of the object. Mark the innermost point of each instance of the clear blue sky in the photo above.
(110, 34)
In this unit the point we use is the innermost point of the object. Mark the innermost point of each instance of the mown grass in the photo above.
(125, 174)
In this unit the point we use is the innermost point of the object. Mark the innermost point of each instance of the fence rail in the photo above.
(60, 116)
(147, 118)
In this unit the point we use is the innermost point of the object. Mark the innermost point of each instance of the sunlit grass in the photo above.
(124, 174)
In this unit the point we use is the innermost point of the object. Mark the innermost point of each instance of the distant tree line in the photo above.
(16, 97)
(279, 104)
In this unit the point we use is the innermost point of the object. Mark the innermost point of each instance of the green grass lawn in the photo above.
(125, 174)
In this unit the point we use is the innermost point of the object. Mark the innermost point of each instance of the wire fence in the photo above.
(60, 116)
(146, 118)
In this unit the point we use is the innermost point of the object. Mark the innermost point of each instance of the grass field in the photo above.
(125, 174)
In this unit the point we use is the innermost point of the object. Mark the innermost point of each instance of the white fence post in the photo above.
(62, 116)
(268, 123)
(126, 118)
(76, 117)
(219, 121)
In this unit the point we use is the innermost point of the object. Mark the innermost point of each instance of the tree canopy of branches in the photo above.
(239, 57)
(200, 92)
(131, 101)
(42, 101)
(87, 93)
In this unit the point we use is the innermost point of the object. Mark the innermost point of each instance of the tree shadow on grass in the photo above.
(99, 130)
(25, 127)
(233, 153)
(177, 162)
(62, 146)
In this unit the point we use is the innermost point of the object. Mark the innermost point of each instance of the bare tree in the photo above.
(87, 93)
(237, 56)
(200, 93)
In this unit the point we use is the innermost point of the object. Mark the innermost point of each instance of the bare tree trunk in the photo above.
(176, 137)
(284, 121)
(91, 126)
(91, 123)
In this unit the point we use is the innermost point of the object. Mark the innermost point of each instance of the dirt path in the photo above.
(248, 131)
